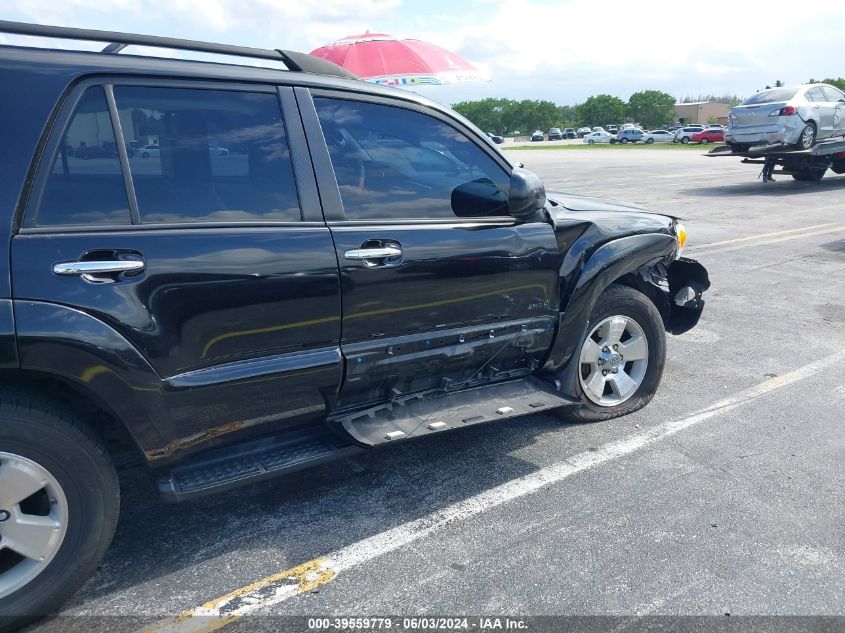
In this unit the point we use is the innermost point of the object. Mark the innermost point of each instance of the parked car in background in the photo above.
(148, 150)
(537, 136)
(583, 131)
(597, 137)
(612, 129)
(498, 140)
(630, 135)
(710, 135)
(570, 133)
(792, 115)
(218, 151)
(555, 134)
(658, 136)
(684, 135)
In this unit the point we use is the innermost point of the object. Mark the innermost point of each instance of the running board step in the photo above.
(432, 412)
(225, 468)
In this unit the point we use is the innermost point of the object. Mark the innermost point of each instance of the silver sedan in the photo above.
(796, 115)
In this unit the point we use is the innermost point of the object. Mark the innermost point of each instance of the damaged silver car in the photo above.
(792, 115)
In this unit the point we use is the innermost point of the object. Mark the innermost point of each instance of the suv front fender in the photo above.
(609, 262)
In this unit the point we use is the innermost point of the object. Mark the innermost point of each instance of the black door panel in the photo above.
(442, 289)
(232, 300)
(494, 286)
(205, 296)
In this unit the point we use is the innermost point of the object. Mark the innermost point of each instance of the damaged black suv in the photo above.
(239, 271)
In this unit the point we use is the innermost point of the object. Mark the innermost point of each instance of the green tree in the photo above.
(651, 108)
(487, 114)
(839, 82)
(601, 110)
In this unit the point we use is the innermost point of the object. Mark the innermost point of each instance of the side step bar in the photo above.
(421, 414)
(232, 466)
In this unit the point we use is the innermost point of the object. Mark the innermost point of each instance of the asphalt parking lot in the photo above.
(724, 496)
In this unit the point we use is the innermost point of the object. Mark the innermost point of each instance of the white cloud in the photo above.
(563, 51)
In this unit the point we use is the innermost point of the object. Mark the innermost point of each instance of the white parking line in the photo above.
(765, 242)
(760, 236)
(305, 577)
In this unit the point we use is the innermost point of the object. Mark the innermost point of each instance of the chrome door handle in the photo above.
(88, 268)
(373, 253)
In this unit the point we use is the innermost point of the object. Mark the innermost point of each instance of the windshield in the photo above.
(770, 96)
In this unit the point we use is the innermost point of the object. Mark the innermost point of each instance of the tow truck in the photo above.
(808, 165)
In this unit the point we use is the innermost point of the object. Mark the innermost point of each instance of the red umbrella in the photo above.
(390, 60)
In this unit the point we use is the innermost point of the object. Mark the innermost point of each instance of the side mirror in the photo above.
(527, 194)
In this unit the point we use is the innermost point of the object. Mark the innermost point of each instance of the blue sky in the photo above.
(558, 50)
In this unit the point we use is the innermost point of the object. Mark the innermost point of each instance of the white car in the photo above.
(148, 150)
(597, 137)
(658, 136)
(685, 134)
(583, 131)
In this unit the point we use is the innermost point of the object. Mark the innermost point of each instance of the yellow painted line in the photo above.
(219, 612)
(776, 240)
(759, 236)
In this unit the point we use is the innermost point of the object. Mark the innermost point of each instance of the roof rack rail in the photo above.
(299, 62)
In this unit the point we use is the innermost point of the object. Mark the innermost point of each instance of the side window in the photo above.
(85, 185)
(207, 155)
(393, 163)
(816, 94)
(832, 94)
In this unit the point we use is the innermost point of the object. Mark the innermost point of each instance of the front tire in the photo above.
(625, 334)
(58, 484)
(685, 140)
(591, 142)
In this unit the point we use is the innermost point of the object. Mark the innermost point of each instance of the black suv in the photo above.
(290, 266)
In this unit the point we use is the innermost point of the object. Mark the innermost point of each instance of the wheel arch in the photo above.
(643, 262)
(84, 402)
(88, 363)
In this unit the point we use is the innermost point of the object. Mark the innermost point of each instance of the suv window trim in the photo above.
(333, 209)
(304, 177)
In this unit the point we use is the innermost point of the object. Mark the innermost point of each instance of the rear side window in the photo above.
(395, 163)
(816, 95)
(207, 155)
(85, 185)
(832, 94)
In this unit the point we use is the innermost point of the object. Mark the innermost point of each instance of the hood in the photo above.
(609, 218)
(574, 202)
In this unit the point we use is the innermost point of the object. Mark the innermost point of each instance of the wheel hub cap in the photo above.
(614, 359)
(33, 520)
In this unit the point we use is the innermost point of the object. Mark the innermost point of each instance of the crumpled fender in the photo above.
(607, 264)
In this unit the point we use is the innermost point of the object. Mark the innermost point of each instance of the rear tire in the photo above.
(809, 175)
(685, 140)
(591, 142)
(704, 141)
(808, 137)
(81, 500)
(649, 141)
(616, 305)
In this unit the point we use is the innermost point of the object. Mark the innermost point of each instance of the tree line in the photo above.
(650, 108)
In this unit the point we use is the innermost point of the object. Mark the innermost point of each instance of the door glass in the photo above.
(394, 163)
(207, 155)
(816, 95)
(832, 94)
(85, 185)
